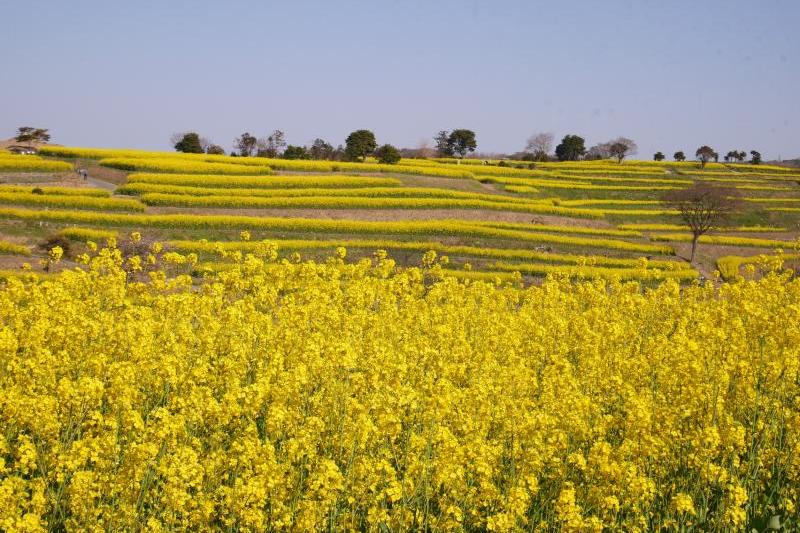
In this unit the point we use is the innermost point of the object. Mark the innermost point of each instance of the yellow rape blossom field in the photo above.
(280, 395)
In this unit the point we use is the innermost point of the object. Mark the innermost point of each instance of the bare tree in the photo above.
(177, 137)
(321, 149)
(599, 151)
(205, 143)
(272, 146)
(245, 143)
(621, 147)
(703, 207)
(705, 154)
(424, 149)
(540, 145)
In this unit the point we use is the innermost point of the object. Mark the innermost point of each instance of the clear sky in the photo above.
(670, 74)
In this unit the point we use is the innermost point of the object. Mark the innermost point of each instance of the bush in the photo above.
(56, 240)
(387, 154)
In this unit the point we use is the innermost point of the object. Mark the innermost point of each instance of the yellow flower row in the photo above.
(361, 202)
(590, 272)
(27, 163)
(724, 240)
(252, 182)
(205, 247)
(70, 201)
(182, 166)
(87, 234)
(193, 163)
(679, 227)
(49, 189)
(512, 184)
(372, 192)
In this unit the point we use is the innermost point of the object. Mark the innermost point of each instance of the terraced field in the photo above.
(492, 219)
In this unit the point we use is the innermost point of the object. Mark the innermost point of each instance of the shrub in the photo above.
(387, 154)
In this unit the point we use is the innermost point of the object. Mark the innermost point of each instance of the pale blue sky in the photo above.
(670, 74)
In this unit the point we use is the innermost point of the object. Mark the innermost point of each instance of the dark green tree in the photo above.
(359, 144)
(679, 156)
(755, 157)
(462, 141)
(189, 144)
(658, 156)
(387, 154)
(30, 135)
(296, 152)
(572, 147)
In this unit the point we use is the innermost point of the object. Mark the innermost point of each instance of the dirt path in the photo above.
(100, 184)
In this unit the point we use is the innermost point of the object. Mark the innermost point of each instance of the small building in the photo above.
(19, 149)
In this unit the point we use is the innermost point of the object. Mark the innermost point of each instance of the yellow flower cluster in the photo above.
(49, 189)
(332, 396)
(10, 248)
(729, 266)
(309, 189)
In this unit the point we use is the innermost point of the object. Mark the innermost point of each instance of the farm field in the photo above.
(195, 342)
(597, 214)
(389, 267)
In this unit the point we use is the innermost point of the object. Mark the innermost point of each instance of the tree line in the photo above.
(362, 143)
(359, 145)
(456, 143)
(573, 148)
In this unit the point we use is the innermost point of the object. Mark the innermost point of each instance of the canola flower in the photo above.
(11, 248)
(355, 396)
